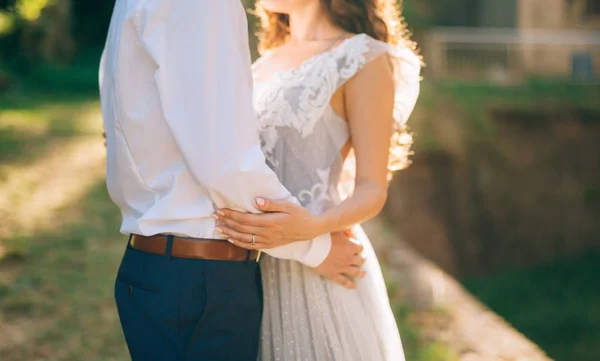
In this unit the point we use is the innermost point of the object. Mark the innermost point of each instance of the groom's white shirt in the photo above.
(182, 138)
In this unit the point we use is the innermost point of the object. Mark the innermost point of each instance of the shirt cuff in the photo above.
(310, 253)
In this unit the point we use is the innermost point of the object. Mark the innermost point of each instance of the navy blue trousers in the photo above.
(176, 309)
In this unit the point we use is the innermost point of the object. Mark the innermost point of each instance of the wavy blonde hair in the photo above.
(380, 19)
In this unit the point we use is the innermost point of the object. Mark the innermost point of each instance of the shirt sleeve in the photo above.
(201, 52)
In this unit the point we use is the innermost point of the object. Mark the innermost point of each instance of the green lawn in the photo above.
(56, 283)
(26, 130)
(417, 347)
(46, 107)
(557, 305)
(63, 293)
(468, 108)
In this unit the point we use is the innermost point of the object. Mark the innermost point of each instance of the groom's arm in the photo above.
(200, 48)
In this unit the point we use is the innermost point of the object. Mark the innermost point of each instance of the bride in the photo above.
(334, 87)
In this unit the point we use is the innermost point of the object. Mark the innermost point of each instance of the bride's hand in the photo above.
(284, 223)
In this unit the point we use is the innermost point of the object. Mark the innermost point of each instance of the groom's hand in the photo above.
(343, 264)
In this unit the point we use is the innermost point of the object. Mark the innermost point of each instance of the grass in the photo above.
(467, 108)
(476, 97)
(64, 291)
(33, 122)
(26, 132)
(555, 305)
(416, 346)
(57, 289)
(476, 101)
(56, 298)
(33, 127)
(49, 103)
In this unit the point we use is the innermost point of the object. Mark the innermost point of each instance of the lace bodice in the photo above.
(301, 134)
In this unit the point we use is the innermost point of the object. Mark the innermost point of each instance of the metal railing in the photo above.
(512, 55)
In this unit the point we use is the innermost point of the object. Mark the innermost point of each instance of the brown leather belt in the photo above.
(200, 248)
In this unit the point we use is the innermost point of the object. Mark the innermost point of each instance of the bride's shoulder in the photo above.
(369, 47)
(402, 49)
(402, 54)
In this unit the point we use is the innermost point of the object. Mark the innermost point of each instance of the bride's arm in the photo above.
(369, 104)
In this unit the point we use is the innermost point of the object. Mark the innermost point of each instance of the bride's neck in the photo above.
(311, 23)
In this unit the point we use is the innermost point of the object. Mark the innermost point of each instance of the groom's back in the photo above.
(146, 174)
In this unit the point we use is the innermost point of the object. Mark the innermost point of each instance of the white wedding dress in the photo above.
(307, 318)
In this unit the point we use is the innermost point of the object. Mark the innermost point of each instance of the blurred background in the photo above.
(502, 201)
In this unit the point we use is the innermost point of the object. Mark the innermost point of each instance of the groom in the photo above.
(182, 141)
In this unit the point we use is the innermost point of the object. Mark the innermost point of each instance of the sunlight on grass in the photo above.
(31, 195)
(52, 119)
(50, 153)
(30, 128)
(62, 302)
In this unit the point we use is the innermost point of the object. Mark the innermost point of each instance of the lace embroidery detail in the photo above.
(313, 198)
(268, 137)
(314, 82)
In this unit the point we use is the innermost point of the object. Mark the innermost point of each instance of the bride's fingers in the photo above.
(354, 273)
(245, 240)
(358, 260)
(240, 217)
(231, 233)
(344, 281)
(244, 245)
(227, 225)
